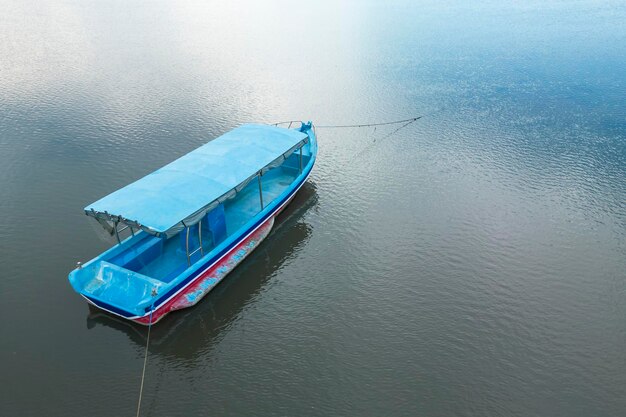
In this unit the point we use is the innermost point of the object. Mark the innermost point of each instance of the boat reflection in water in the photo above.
(202, 324)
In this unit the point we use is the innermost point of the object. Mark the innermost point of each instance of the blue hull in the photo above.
(153, 298)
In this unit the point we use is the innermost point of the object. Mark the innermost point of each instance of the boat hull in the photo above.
(212, 275)
(208, 279)
(145, 297)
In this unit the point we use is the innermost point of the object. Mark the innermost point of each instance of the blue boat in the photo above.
(193, 221)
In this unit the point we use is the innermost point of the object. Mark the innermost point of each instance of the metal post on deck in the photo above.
(300, 159)
(187, 248)
(200, 237)
(200, 248)
(260, 190)
(117, 233)
(118, 230)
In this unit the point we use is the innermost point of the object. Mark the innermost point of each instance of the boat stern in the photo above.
(116, 289)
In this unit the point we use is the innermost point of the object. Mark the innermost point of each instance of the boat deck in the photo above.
(171, 261)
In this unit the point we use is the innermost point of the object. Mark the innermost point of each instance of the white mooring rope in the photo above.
(145, 361)
(395, 122)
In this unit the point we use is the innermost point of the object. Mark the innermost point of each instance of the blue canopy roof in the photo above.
(184, 190)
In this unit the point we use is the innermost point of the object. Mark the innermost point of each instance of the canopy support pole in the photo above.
(260, 190)
(117, 230)
(300, 159)
(117, 233)
(200, 237)
(187, 248)
(200, 248)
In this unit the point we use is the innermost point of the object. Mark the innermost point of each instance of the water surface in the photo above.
(472, 263)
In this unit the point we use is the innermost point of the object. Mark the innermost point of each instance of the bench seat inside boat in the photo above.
(139, 254)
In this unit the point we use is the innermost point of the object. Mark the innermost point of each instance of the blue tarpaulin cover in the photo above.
(182, 192)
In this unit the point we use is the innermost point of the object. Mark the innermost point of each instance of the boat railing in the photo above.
(199, 248)
(289, 123)
(120, 230)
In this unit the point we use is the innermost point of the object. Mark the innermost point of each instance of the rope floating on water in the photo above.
(395, 122)
(375, 141)
(145, 361)
(404, 122)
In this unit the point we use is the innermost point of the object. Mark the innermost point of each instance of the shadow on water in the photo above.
(185, 332)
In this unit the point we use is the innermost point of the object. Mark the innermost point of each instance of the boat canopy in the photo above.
(179, 195)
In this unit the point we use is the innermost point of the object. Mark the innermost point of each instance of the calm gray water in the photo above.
(470, 264)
